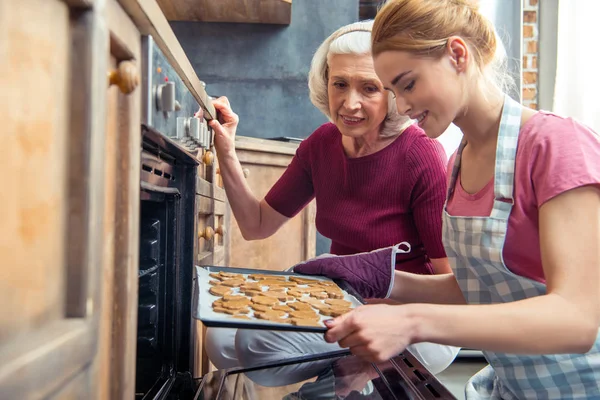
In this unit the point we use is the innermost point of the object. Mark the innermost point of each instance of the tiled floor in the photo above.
(456, 375)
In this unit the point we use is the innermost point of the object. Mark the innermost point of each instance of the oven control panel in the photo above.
(168, 106)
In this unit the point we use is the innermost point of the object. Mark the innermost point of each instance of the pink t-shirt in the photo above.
(554, 155)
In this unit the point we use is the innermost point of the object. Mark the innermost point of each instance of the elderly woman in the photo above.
(377, 180)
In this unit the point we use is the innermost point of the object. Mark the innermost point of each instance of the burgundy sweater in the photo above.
(394, 195)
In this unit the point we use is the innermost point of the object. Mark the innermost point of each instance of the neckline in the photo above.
(475, 196)
(376, 154)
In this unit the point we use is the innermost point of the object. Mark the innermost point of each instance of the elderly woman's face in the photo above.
(357, 101)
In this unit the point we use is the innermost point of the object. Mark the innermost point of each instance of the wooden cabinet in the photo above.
(53, 235)
(211, 209)
(121, 201)
(242, 11)
(264, 161)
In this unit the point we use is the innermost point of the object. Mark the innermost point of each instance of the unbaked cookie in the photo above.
(219, 290)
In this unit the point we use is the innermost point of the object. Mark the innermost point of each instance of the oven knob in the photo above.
(246, 172)
(165, 97)
(204, 137)
(207, 233)
(208, 158)
(183, 125)
(195, 128)
(220, 230)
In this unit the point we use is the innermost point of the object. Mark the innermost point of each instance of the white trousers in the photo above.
(228, 348)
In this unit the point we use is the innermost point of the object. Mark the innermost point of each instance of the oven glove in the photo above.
(370, 274)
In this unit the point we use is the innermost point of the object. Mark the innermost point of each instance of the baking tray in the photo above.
(203, 301)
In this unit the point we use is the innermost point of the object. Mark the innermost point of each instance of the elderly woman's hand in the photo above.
(225, 127)
(374, 333)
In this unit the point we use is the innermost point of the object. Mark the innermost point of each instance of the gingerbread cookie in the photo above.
(303, 281)
(265, 300)
(305, 322)
(282, 307)
(281, 296)
(260, 277)
(231, 275)
(334, 312)
(272, 315)
(235, 304)
(339, 303)
(233, 282)
(260, 307)
(304, 315)
(230, 311)
(295, 293)
(216, 275)
(219, 290)
(299, 306)
(275, 282)
(234, 297)
(319, 295)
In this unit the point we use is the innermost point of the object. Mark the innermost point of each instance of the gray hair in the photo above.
(350, 39)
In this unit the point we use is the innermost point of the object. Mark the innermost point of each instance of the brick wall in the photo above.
(530, 52)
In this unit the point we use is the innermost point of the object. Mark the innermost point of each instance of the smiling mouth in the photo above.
(351, 120)
(421, 117)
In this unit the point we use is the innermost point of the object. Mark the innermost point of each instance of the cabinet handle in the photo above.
(220, 230)
(208, 158)
(207, 233)
(126, 77)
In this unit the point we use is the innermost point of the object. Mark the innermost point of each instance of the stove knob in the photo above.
(208, 158)
(220, 230)
(246, 172)
(195, 125)
(165, 97)
(125, 77)
(183, 126)
(204, 137)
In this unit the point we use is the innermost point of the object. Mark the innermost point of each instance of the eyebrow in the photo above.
(400, 76)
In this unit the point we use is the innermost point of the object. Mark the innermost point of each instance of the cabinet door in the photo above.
(118, 330)
(52, 208)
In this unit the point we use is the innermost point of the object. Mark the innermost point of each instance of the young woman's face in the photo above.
(427, 90)
(357, 101)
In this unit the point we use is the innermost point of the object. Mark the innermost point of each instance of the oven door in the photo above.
(164, 353)
(329, 376)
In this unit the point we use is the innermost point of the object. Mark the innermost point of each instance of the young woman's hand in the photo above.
(375, 333)
(225, 127)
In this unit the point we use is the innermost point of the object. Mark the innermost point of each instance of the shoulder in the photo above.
(556, 154)
(545, 130)
(422, 149)
(319, 143)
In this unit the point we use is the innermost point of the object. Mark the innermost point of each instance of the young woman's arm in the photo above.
(436, 289)
(565, 320)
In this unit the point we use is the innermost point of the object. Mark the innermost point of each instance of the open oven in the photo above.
(167, 201)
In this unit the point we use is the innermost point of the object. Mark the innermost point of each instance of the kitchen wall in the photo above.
(263, 68)
(531, 37)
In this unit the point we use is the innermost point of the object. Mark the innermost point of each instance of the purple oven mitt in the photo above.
(370, 274)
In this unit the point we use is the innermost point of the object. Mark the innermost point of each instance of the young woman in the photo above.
(521, 220)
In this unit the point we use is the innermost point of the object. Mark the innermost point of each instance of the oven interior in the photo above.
(167, 202)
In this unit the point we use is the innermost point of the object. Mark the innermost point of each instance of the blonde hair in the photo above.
(423, 27)
(350, 39)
